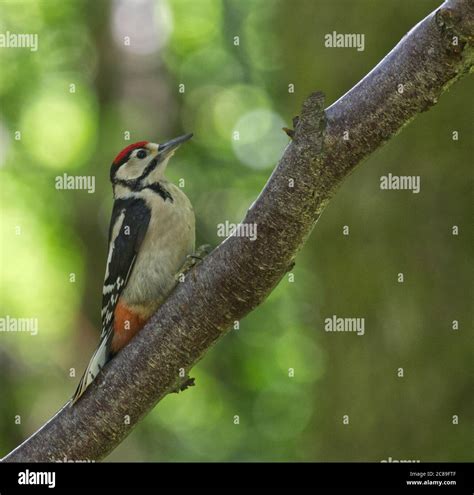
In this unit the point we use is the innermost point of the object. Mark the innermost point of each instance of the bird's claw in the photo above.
(194, 259)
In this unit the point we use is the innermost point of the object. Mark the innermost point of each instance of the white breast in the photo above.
(169, 239)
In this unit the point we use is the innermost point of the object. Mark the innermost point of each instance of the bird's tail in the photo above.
(101, 356)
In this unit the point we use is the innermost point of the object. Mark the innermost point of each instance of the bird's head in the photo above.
(143, 163)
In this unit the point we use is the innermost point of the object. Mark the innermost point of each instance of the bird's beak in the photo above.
(167, 148)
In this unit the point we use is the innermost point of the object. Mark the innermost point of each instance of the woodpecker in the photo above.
(151, 235)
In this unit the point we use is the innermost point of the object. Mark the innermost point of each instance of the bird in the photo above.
(151, 239)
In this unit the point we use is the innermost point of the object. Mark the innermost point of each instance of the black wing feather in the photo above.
(123, 251)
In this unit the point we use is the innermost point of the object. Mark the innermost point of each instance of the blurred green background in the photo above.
(128, 61)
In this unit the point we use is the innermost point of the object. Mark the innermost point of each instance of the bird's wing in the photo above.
(130, 219)
(128, 226)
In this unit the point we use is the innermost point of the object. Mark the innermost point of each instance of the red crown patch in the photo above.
(128, 149)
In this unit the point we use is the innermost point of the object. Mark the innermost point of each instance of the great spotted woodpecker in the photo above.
(151, 235)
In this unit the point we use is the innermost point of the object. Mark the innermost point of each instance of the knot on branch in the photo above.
(184, 385)
(311, 124)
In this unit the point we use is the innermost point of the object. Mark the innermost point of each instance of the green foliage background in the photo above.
(244, 88)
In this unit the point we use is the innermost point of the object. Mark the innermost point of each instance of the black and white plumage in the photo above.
(150, 236)
(129, 223)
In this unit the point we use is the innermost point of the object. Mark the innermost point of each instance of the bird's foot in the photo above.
(192, 260)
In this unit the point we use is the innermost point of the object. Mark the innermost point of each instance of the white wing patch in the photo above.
(108, 310)
(113, 237)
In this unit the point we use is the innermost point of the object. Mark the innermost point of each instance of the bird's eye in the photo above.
(141, 154)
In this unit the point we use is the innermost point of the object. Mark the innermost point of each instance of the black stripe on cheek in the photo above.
(159, 189)
(148, 169)
(131, 183)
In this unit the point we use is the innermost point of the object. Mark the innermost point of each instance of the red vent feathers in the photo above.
(128, 149)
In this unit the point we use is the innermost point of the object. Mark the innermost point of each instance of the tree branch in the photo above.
(238, 275)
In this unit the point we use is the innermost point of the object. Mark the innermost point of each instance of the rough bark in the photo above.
(239, 274)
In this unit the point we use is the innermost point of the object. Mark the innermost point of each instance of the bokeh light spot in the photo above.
(59, 128)
(261, 140)
(142, 26)
(196, 23)
(282, 412)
